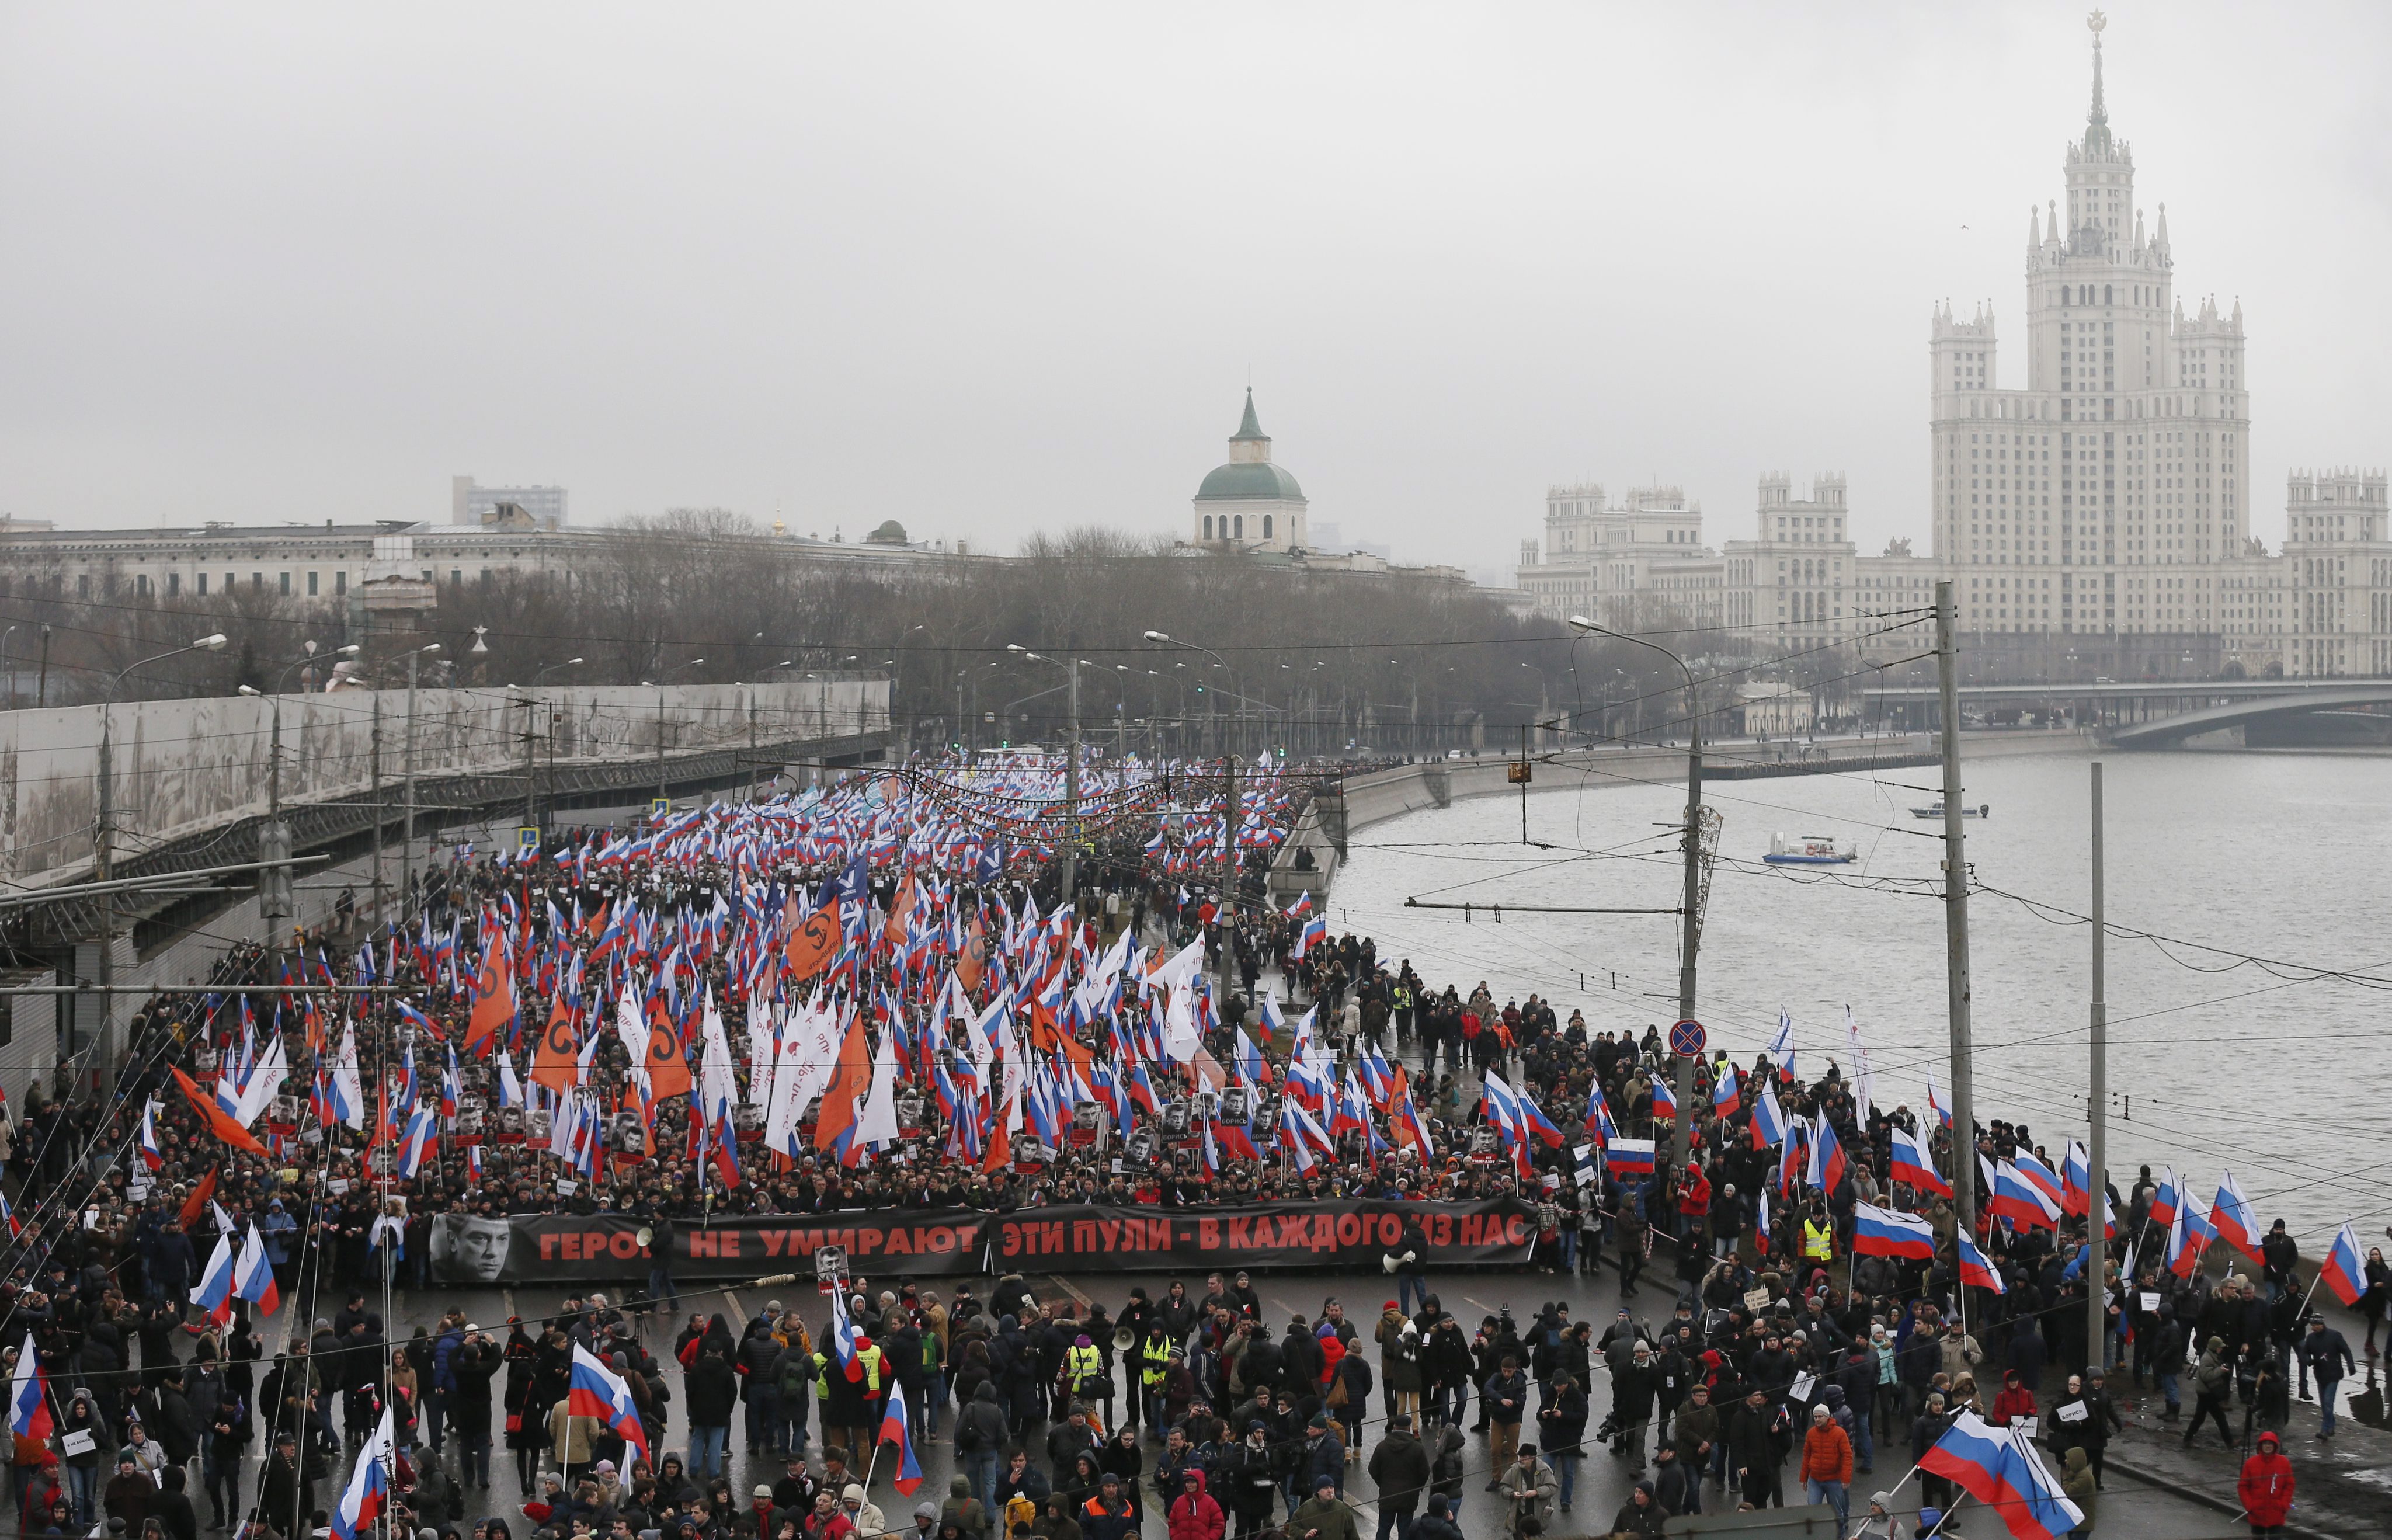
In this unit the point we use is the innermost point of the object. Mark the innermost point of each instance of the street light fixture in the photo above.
(1228, 837)
(103, 841)
(1690, 919)
(1071, 668)
(659, 683)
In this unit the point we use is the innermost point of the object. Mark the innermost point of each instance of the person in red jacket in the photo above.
(1194, 1514)
(1694, 1204)
(2016, 1401)
(2266, 1487)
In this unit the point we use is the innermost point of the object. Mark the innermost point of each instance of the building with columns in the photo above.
(2094, 520)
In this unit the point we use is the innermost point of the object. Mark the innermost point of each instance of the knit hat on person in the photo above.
(762, 1490)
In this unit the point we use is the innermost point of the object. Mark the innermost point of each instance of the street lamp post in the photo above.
(274, 901)
(102, 852)
(1688, 937)
(1229, 841)
(415, 656)
(659, 683)
(1070, 664)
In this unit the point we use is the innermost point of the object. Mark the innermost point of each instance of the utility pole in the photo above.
(407, 829)
(531, 815)
(273, 854)
(2096, 1297)
(103, 865)
(375, 772)
(42, 684)
(1071, 776)
(1229, 877)
(1690, 932)
(1955, 915)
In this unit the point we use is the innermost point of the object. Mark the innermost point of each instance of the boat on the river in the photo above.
(1806, 850)
(1983, 810)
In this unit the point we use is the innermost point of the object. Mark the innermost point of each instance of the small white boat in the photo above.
(1984, 810)
(1806, 850)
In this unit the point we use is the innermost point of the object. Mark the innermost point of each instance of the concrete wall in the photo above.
(1391, 794)
(182, 766)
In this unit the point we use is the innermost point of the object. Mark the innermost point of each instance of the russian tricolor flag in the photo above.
(1915, 1165)
(1630, 1157)
(368, 1488)
(1889, 1232)
(1826, 1156)
(2076, 1180)
(2343, 1271)
(2164, 1201)
(1768, 1119)
(2184, 1249)
(2020, 1201)
(151, 1155)
(1978, 1269)
(1941, 1112)
(1665, 1101)
(28, 1396)
(1598, 1116)
(1727, 1091)
(893, 1430)
(2231, 1217)
(597, 1391)
(2003, 1471)
(215, 1293)
(2033, 1170)
(252, 1275)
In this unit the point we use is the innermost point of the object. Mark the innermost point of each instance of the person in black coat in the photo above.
(472, 1366)
(179, 1429)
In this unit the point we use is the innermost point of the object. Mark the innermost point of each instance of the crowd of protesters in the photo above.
(1778, 1364)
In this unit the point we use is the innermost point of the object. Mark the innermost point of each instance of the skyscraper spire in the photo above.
(2097, 121)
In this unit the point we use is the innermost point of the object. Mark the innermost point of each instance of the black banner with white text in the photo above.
(1343, 1233)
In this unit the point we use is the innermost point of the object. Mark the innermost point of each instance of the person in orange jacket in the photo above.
(1826, 1473)
(2266, 1487)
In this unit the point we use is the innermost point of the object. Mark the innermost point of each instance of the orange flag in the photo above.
(220, 1122)
(849, 1081)
(668, 1062)
(197, 1203)
(814, 944)
(1000, 1143)
(555, 1063)
(974, 962)
(900, 911)
(494, 1001)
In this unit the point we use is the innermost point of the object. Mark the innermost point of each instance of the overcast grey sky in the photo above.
(992, 268)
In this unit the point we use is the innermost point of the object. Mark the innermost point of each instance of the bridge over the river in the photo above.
(2148, 714)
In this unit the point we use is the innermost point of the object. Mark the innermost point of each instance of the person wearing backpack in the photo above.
(1349, 1400)
(794, 1373)
(981, 1432)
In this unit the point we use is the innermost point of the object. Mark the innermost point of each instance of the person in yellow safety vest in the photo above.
(1154, 1363)
(1082, 1366)
(858, 1400)
(1819, 1239)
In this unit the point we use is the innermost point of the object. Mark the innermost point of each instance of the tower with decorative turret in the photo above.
(2128, 446)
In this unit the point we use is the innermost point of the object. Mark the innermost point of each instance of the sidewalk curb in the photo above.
(2195, 1494)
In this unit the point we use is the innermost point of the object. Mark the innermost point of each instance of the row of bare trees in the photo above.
(1309, 662)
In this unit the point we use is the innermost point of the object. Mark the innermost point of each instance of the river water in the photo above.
(2211, 1065)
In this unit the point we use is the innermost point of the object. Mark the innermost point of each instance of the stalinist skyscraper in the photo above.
(2063, 506)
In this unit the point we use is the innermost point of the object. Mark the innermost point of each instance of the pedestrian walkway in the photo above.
(2345, 1483)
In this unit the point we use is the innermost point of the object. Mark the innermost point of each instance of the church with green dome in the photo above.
(1249, 504)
